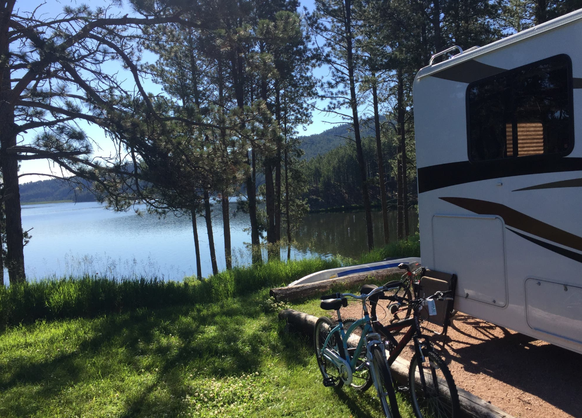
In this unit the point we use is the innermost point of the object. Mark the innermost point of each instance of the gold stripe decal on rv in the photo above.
(519, 221)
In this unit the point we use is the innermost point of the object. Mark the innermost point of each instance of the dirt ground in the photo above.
(521, 376)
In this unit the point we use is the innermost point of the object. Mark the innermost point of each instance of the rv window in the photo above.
(522, 112)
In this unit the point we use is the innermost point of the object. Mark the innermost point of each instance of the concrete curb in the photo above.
(471, 405)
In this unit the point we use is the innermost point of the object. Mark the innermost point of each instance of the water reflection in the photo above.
(84, 238)
(345, 233)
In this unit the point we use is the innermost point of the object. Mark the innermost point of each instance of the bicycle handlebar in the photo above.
(381, 289)
(439, 295)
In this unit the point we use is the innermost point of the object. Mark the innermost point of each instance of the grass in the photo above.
(102, 348)
(228, 359)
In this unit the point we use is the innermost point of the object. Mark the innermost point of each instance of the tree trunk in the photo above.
(269, 202)
(436, 22)
(356, 124)
(196, 243)
(9, 166)
(540, 11)
(272, 250)
(208, 216)
(252, 197)
(225, 194)
(2, 234)
(287, 205)
(399, 198)
(402, 167)
(381, 174)
(226, 223)
(278, 164)
(404, 157)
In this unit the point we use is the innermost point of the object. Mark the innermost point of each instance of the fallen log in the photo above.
(471, 405)
(290, 293)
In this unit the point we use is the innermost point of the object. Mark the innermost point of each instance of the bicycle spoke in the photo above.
(435, 395)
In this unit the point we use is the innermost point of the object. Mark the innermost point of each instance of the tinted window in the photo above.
(522, 112)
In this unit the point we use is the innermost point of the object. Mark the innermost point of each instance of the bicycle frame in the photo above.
(369, 338)
(343, 359)
(413, 324)
(412, 334)
(410, 278)
(347, 360)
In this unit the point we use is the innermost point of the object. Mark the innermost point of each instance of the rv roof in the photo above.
(518, 37)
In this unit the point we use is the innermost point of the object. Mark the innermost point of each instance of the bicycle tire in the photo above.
(323, 326)
(440, 399)
(361, 377)
(403, 292)
(385, 314)
(385, 387)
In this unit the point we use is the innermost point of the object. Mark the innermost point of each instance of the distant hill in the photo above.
(53, 190)
(314, 145)
(59, 190)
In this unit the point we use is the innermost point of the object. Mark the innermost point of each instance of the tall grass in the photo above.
(409, 247)
(88, 297)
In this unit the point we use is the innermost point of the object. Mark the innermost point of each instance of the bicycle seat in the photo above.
(367, 288)
(335, 304)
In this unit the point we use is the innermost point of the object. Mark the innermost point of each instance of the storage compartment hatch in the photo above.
(473, 247)
(554, 308)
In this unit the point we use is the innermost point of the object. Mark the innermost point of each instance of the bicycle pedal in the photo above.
(328, 381)
(403, 389)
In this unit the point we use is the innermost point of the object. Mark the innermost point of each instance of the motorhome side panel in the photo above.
(499, 158)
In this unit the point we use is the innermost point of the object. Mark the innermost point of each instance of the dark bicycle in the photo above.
(432, 389)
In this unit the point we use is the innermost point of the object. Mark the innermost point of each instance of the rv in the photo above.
(499, 159)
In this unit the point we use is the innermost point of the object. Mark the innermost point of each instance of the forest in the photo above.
(236, 80)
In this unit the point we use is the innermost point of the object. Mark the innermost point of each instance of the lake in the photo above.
(85, 238)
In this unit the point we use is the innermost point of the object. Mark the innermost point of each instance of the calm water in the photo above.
(85, 238)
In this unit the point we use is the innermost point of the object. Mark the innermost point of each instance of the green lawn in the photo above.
(227, 359)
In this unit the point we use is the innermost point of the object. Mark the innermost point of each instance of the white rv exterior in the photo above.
(499, 159)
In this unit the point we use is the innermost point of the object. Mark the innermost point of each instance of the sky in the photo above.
(38, 169)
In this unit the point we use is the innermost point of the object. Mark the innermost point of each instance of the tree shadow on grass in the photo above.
(40, 382)
(225, 347)
(170, 344)
(354, 403)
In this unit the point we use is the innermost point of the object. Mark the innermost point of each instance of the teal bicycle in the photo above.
(359, 361)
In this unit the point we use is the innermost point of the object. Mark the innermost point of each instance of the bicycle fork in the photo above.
(374, 340)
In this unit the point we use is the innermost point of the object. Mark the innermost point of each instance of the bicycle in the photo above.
(409, 290)
(340, 364)
(432, 388)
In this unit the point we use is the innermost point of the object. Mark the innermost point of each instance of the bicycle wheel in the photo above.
(331, 375)
(361, 377)
(384, 386)
(396, 312)
(438, 397)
